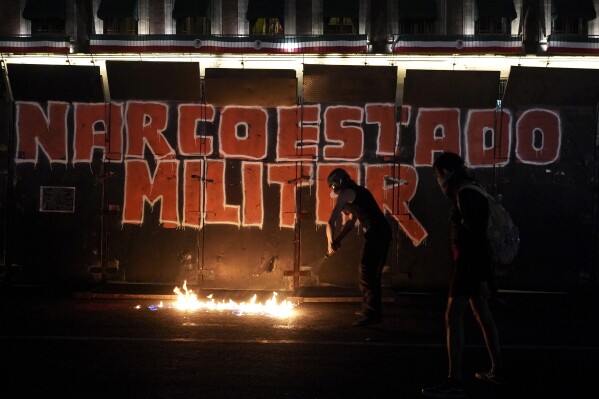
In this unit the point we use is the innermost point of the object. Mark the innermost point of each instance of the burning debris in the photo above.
(187, 300)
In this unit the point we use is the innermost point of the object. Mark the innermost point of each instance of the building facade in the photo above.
(300, 26)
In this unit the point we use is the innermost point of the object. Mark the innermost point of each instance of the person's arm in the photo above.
(344, 197)
(346, 228)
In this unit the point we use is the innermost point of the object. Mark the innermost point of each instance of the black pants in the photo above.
(372, 259)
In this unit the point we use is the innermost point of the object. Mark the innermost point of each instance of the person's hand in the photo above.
(455, 252)
(333, 247)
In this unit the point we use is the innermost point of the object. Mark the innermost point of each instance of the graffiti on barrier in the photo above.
(176, 156)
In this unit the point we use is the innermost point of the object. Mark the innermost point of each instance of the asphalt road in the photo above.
(64, 347)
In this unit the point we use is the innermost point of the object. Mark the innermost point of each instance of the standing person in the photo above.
(471, 278)
(359, 205)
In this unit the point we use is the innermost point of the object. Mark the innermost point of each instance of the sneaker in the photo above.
(490, 376)
(448, 389)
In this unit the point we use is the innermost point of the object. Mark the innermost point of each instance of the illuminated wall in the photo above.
(221, 195)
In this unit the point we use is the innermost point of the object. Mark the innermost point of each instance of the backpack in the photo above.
(502, 234)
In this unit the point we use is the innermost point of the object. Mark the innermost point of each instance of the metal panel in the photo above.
(256, 87)
(6, 175)
(526, 178)
(551, 86)
(349, 84)
(140, 80)
(4, 92)
(475, 89)
(55, 82)
(55, 246)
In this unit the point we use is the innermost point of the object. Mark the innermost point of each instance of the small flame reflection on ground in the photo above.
(188, 300)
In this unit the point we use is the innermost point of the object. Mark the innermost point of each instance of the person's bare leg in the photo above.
(482, 314)
(454, 325)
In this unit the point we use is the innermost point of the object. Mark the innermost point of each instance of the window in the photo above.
(119, 16)
(340, 17)
(47, 26)
(340, 25)
(120, 26)
(266, 17)
(266, 26)
(193, 25)
(494, 17)
(569, 26)
(416, 26)
(571, 17)
(46, 16)
(192, 16)
(416, 17)
(493, 25)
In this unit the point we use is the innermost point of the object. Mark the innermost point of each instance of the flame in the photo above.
(188, 300)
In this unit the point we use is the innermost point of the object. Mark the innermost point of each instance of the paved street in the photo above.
(60, 346)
